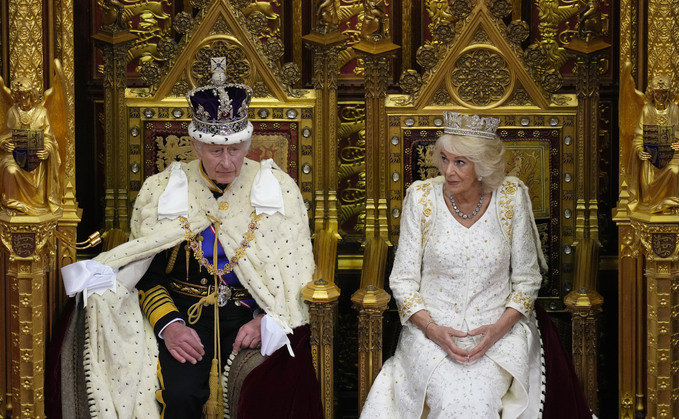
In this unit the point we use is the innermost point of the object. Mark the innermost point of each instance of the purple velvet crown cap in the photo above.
(220, 113)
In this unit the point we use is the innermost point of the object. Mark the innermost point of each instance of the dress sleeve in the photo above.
(405, 277)
(525, 253)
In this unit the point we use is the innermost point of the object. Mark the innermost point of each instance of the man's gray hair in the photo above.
(199, 144)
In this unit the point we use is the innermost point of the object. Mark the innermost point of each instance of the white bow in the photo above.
(89, 277)
(266, 195)
(174, 201)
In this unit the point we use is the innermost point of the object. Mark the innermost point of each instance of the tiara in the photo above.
(219, 109)
(472, 125)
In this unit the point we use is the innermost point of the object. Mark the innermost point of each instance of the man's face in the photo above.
(222, 163)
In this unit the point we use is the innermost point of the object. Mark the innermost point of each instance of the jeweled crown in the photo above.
(472, 125)
(220, 110)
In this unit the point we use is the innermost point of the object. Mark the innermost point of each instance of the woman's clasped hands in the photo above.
(464, 346)
(443, 337)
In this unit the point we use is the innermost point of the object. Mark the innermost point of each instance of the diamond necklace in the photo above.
(462, 214)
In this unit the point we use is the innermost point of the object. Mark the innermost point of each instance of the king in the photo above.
(219, 252)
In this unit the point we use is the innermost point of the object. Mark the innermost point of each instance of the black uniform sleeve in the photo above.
(154, 299)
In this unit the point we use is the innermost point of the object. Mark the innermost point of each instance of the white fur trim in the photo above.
(216, 139)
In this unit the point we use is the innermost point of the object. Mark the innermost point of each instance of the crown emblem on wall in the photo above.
(472, 125)
(219, 109)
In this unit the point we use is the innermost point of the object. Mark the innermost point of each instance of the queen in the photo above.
(465, 278)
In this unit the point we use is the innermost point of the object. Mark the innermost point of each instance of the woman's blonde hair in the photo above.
(486, 154)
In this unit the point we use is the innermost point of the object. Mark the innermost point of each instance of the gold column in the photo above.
(62, 10)
(326, 42)
(32, 297)
(658, 237)
(648, 362)
(371, 302)
(631, 320)
(29, 241)
(588, 55)
(631, 334)
(322, 295)
(376, 50)
(584, 303)
(114, 43)
(5, 361)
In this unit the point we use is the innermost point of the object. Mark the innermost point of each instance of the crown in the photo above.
(220, 110)
(472, 125)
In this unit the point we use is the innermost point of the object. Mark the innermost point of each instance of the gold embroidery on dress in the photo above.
(507, 207)
(424, 200)
(522, 299)
(405, 306)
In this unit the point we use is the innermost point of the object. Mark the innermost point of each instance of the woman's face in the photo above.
(459, 173)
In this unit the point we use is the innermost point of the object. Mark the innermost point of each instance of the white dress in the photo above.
(465, 278)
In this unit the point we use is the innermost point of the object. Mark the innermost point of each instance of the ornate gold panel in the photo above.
(481, 78)
(351, 171)
(25, 26)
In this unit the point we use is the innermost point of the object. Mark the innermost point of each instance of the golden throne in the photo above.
(480, 68)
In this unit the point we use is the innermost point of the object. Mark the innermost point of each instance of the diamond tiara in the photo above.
(471, 125)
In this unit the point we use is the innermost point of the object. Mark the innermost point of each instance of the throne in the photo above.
(539, 133)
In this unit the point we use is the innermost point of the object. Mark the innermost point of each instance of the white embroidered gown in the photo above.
(465, 278)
